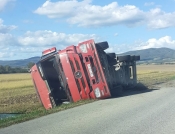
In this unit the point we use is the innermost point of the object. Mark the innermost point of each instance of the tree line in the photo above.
(8, 69)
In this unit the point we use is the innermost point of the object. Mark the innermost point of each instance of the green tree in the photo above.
(8, 69)
(30, 64)
(2, 70)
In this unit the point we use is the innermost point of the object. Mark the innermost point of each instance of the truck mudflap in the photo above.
(41, 88)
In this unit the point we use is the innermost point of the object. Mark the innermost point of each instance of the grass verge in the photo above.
(151, 78)
(40, 112)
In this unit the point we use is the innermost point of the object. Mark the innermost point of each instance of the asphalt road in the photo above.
(137, 112)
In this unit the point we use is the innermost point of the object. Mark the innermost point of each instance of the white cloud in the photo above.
(83, 13)
(3, 3)
(6, 40)
(50, 38)
(33, 43)
(159, 19)
(7, 44)
(61, 8)
(5, 54)
(165, 41)
(119, 48)
(6, 29)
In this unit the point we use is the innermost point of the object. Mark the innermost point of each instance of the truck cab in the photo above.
(59, 77)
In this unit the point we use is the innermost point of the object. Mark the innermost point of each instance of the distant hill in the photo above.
(19, 63)
(154, 55)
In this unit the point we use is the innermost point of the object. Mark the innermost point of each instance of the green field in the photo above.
(17, 93)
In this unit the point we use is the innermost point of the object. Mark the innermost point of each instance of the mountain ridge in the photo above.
(20, 62)
(151, 55)
(154, 55)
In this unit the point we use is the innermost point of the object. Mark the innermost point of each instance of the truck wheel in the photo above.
(104, 45)
(124, 58)
(112, 55)
(137, 57)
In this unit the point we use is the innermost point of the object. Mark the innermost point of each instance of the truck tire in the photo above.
(104, 45)
(124, 58)
(112, 55)
(137, 57)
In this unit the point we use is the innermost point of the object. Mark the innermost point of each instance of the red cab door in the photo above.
(41, 87)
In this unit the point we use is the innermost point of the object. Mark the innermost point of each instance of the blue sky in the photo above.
(29, 27)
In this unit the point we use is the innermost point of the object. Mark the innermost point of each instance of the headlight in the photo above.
(83, 48)
(97, 92)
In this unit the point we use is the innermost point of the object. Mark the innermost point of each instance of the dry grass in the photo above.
(17, 94)
(153, 74)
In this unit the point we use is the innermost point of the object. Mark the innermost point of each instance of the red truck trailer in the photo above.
(80, 72)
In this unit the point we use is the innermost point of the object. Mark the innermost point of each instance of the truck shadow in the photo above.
(138, 89)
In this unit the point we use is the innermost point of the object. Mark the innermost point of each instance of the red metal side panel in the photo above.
(41, 88)
(84, 91)
(75, 58)
(70, 77)
(92, 51)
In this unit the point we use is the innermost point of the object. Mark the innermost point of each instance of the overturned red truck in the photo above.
(79, 72)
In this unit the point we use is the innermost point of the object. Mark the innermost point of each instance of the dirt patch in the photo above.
(166, 84)
(19, 99)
